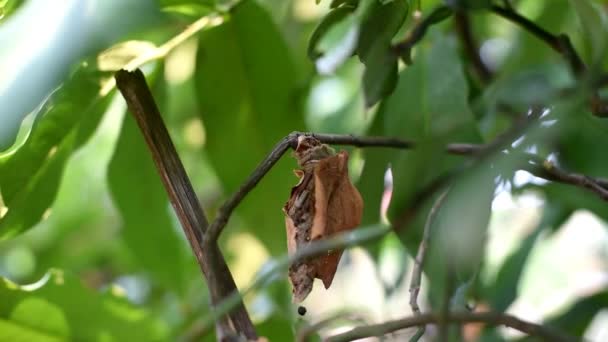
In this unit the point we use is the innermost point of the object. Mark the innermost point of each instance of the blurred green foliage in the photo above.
(84, 216)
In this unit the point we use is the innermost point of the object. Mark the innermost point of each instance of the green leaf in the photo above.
(595, 29)
(430, 106)
(193, 3)
(380, 25)
(276, 328)
(8, 7)
(38, 312)
(11, 331)
(375, 50)
(331, 19)
(148, 228)
(459, 229)
(576, 319)
(248, 98)
(337, 45)
(371, 183)
(30, 175)
(469, 4)
(380, 76)
(338, 3)
(72, 32)
(58, 307)
(340, 41)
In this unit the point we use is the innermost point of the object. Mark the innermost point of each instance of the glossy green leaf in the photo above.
(8, 7)
(577, 318)
(375, 50)
(380, 25)
(380, 76)
(276, 328)
(594, 28)
(72, 31)
(459, 230)
(371, 183)
(430, 106)
(469, 4)
(248, 96)
(11, 331)
(58, 306)
(30, 174)
(331, 19)
(338, 3)
(340, 41)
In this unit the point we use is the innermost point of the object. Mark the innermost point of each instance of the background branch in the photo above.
(491, 318)
(463, 28)
(561, 44)
(340, 139)
(141, 104)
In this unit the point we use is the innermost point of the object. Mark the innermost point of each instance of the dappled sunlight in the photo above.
(250, 257)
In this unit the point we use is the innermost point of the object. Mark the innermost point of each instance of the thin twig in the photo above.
(260, 171)
(404, 47)
(491, 318)
(139, 99)
(419, 264)
(549, 171)
(282, 146)
(463, 28)
(560, 43)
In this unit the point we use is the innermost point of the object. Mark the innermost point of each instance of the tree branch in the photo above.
(282, 146)
(548, 170)
(139, 99)
(492, 318)
(463, 28)
(562, 45)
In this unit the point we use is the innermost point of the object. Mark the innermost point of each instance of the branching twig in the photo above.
(282, 146)
(491, 318)
(183, 198)
(549, 171)
(404, 48)
(419, 264)
(291, 140)
(561, 44)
